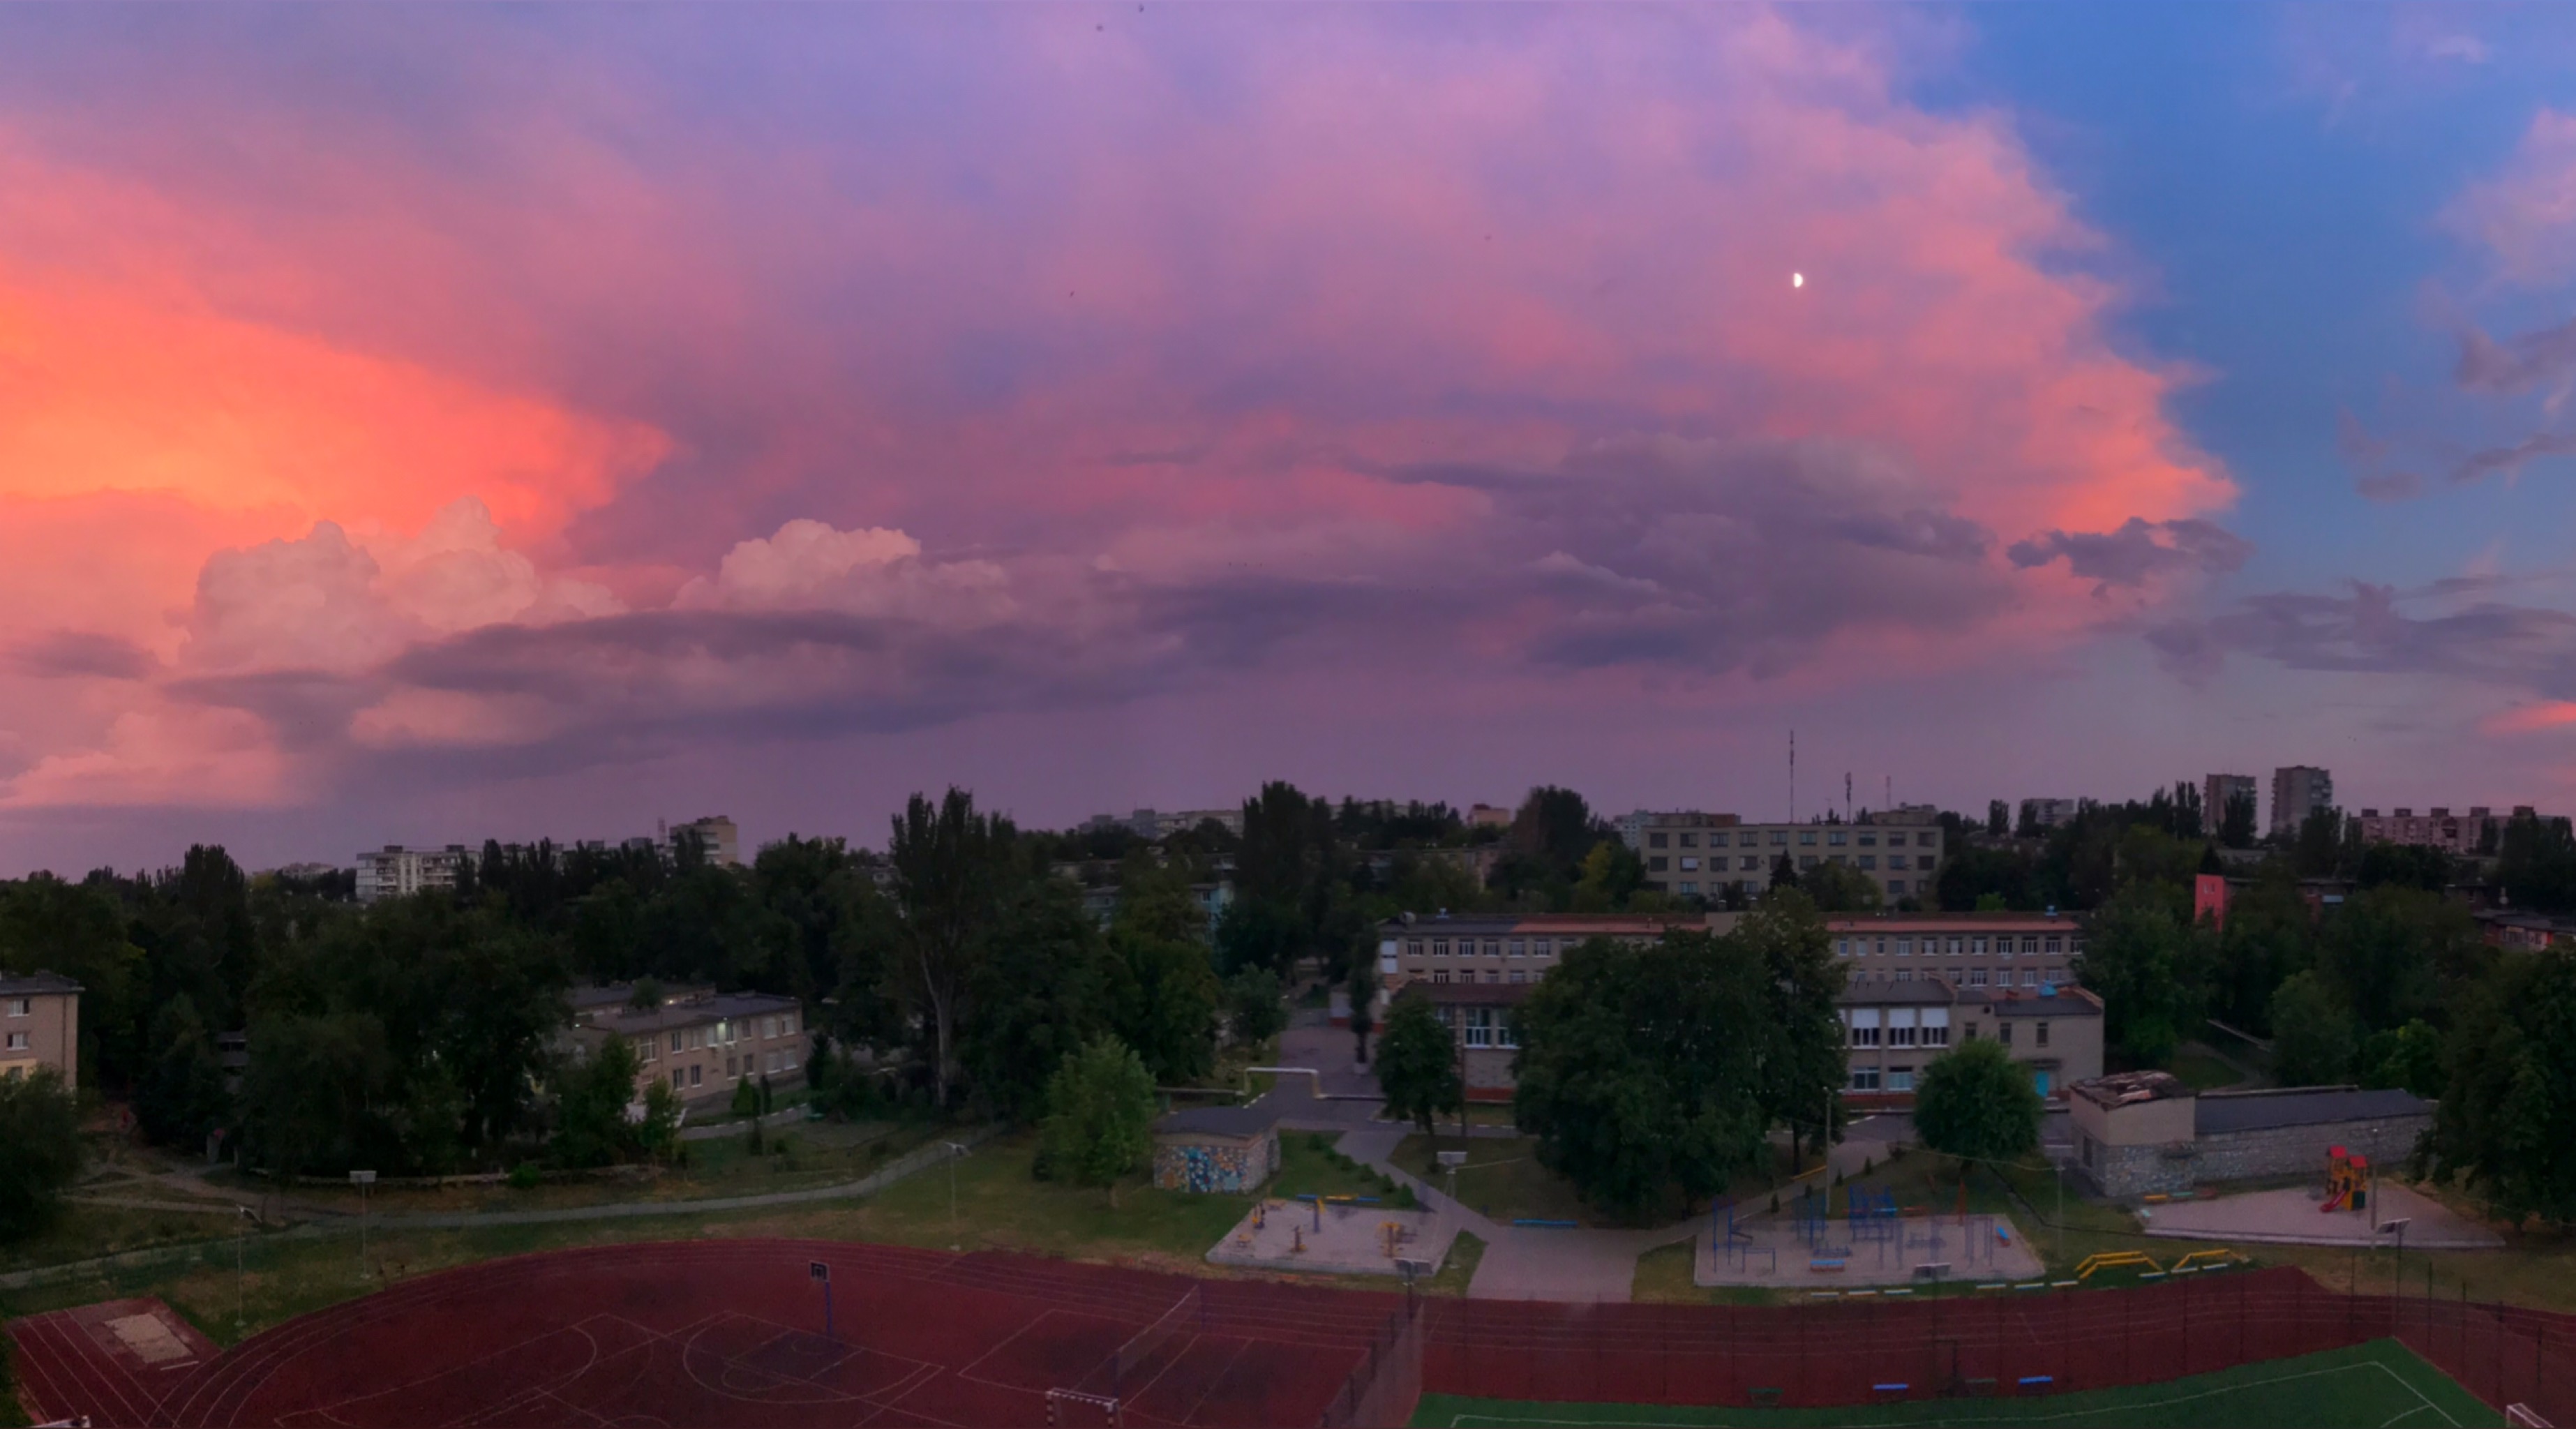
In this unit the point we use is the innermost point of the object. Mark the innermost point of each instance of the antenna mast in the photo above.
(1793, 776)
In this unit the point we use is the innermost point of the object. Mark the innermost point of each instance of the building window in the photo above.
(644, 1048)
(1905, 974)
(1976, 977)
(1923, 841)
(675, 1041)
(2039, 1034)
(1807, 838)
(1440, 947)
(1779, 837)
(2003, 1033)
(1869, 841)
(696, 1075)
(1936, 1034)
(1864, 1027)
(1493, 974)
(1954, 977)
(1518, 974)
(1900, 1079)
(1690, 886)
(21, 1006)
(17, 1041)
(1896, 886)
(1493, 947)
(1439, 974)
(1658, 864)
(1972, 1032)
(1657, 841)
(1413, 947)
(1692, 840)
(678, 1078)
(1923, 862)
(1480, 1027)
(1954, 947)
(2054, 947)
(2030, 947)
(1836, 838)
(1749, 863)
(1520, 947)
(1842, 947)
(1541, 946)
(1806, 860)
(1977, 946)
(2030, 977)
(1869, 860)
(1690, 865)
(1864, 1079)
(1505, 1035)
(1902, 1034)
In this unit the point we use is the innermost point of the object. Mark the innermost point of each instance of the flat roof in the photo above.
(2066, 1002)
(1873, 991)
(1954, 922)
(1218, 1121)
(37, 985)
(2302, 1106)
(690, 1014)
(1472, 994)
(2128, 1088)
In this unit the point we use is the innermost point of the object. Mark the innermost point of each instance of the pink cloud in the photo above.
(2525, 216)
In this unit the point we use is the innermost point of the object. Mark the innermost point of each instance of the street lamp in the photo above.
(362, 1180)
(241, 1235)
(956, 1153)
(2397, 1272)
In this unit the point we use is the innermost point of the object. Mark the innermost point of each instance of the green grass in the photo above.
(2377, 1384)
(2203, 1071)
(1502, 1178)
(1309, 1166)
(1459, 1269)
(1664, 1277)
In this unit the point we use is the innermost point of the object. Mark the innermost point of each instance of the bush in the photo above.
(40, 1127)
(525, 1176)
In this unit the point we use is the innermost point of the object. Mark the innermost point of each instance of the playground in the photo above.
(1338, 1235)
(2295, 1216)
(1861, 1237)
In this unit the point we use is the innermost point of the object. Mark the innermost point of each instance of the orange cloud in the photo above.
(2530, 719)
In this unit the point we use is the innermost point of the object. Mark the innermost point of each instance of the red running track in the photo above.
(722, 1332)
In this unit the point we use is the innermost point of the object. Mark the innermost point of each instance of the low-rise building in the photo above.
(1229, 1149)
(1506, 948)
(2503, 928)
(1973, 950)
(2464, 835)
(701, 1047)
(1702, 855)
(1893, 1029)
(40, 1026)
(2146, 1133)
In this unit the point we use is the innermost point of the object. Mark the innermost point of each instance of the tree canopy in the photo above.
(1975, 1102)
(1417, 1062)
(1100, 1115)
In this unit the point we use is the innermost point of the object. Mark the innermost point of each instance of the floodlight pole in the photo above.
(956, 1153)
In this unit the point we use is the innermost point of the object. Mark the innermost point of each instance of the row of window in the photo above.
(1480, 1026)
(737, 1068)
(1903, 1026)
(1899, 1076)
(1895, 886)
(723, 1032)
(1520, 947)
(1491, 974)
(1978, 977)
(1779, 838)
(2032, 945)
(1752, 863)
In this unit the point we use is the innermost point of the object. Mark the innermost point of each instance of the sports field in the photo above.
(2371, 1386)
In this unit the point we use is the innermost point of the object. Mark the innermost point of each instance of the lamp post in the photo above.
(956, 1153)
(2397, 1272)
(362, 1180)
(241, 1235)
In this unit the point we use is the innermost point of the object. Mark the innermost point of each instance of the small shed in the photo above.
(1216, 1148)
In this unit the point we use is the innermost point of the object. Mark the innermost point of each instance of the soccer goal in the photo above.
(1072, 1406)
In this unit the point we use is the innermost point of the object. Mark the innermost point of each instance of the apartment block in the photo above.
(2217, 789)
(1702, 855)
(397, 872)
(717, 838)
(2047, 813)
(1972, 951)
(40, 1026)
(2298, 790)
(2466, 834)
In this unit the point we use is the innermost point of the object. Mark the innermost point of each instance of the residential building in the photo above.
(1154, 827)
(2216, 790)
(1974, 951)
(2298, 790)
(398, 872)
(2466, 835)
(1893, 1029)
(1699, 855)
(1486, 816)
(40, 1026)
(2047, 813)
(717, 839)
(703, 1046)
(2145, 1133)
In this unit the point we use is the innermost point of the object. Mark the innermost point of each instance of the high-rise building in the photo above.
(397, 872)
(2047, 813)
(718, 841)
(2216, 790)
(2298, 790)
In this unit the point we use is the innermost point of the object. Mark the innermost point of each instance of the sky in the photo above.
(423, 424)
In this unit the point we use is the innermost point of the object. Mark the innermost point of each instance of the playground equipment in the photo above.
(1734, 1243)
(2112, 1259)
(2207, 1260)
(2347, 1180)
(1391, 1236)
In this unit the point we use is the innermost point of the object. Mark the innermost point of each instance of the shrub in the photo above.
(524, 1176)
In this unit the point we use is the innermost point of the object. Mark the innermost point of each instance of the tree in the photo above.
(1257, 933)
(2313, 1037)
(2536, 863)
(2386, 951)
(182, 1096)
(1612, 874)
(1417, 1063)
(1100, 1116)
(1839, 888)
(2269, 935)
(2409, 1057)
(2326, 845)
(1362, 993)
(2507, 1118)
(1164, 995)
(2236, 824)
(2139, 957)
(41, 1127)
(948, 863)
(1040, 992)
(592, 1127)
(659, 1134)
(1803, 1065)
(1255, 1011)
(1641, 1069)
(311, 1095)
(1975, 1102)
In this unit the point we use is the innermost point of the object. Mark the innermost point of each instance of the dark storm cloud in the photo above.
(2464, 634)
(79, 654)
(2138, 551)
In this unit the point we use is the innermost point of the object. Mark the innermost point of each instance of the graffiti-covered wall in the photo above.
(1215, 1165)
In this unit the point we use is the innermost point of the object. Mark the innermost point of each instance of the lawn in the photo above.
(2380, 1383)
(1502, 1179)
(1664, 1277)
(2204, 1071)
(1309, 1166)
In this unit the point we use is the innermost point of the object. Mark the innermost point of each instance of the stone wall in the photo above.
(1215, 1166)
(2123, 1171)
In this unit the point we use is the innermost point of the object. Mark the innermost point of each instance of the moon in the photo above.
(1797, 280)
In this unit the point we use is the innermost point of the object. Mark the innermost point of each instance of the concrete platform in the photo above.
(1347, 1239)
(2293, 1217)
(1779, 1259)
